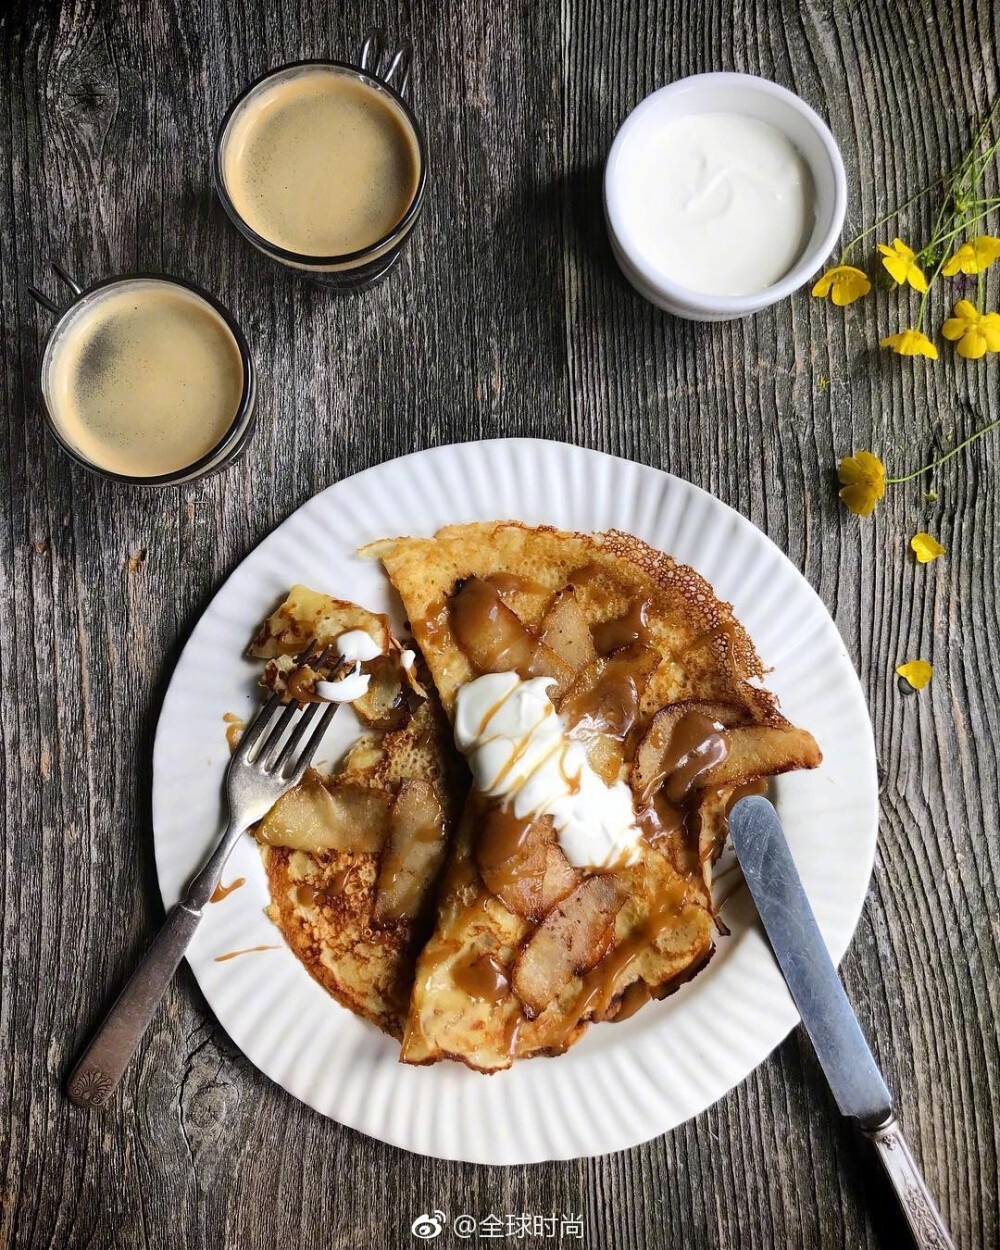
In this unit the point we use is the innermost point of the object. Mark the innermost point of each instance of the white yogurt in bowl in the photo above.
(721, 202)
(723, 193)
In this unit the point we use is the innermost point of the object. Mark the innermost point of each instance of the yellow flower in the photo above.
(901, 263)
(862, 478)
(973, 257)
(916, 672)
(843, 283)
(910, 343)
(977, 333)
(926, 548)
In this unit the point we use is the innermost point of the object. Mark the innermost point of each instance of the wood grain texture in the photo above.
(506, 316)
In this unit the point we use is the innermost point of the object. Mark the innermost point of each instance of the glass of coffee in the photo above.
(322, 165)
(147, 379)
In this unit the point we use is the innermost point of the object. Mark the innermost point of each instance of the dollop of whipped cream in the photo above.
(520, 753)
(355, 646)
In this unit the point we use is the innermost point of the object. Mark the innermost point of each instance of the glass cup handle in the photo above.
(44, 300)
(389, 66)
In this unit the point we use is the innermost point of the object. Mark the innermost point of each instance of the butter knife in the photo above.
(833, 1029)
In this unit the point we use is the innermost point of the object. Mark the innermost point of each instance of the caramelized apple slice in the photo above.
(571, 940)
(383, 705)
(511, 858)
(762, 751)
(713, 829)
(566, 631)
(413, 853)
(522, 863)
(605, 697)
(560, 877)
(495, 639)
(653, 752)
(331, 817)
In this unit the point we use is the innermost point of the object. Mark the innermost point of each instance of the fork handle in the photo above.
(100, 1067)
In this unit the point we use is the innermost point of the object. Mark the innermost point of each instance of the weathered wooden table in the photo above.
(507, 316)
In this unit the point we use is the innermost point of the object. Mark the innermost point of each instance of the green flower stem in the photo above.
(961, 228)
(895, 481)
(888, 217)
(923, 297)
(972, 157)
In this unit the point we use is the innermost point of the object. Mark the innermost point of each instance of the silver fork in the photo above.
(259, 772)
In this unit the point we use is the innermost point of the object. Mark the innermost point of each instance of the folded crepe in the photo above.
(352, 858)
(653, 675)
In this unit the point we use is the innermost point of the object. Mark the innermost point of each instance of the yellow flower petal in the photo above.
(843, 283)
(953, 328)
(916, 279)
(910, 343)
(896, 267)
(926, 548)
(900, 262)
(916, 672)
(862, 478)
(961, 258)
(974, 256)
(989, 323)
(972, 344)
(901, 249)
(976, 334)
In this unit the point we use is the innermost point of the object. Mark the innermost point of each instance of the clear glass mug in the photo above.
(233, 441)
(385, 72)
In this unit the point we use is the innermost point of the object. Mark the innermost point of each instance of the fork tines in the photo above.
(261, 745)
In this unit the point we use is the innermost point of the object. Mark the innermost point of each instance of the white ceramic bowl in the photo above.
(751, 97)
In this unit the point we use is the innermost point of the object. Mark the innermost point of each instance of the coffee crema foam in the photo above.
(321, 164)
(144, 380)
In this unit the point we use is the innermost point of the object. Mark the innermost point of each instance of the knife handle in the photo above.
(928, 1228)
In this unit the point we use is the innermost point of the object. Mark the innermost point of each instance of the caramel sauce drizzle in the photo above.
(598, 985)
(249, 950)
(234, 729)
(483, 977)
(223, 891)
(511, 856)
(503, 841)
(696, 746)
(301, 684)
(611, 706)
(624, 631)
(305, 894)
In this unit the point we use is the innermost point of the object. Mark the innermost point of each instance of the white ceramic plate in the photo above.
(623, 1083)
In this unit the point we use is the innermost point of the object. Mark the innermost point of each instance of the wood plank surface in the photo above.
(506, 316)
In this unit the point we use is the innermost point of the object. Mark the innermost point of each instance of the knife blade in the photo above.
(847, 1062)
